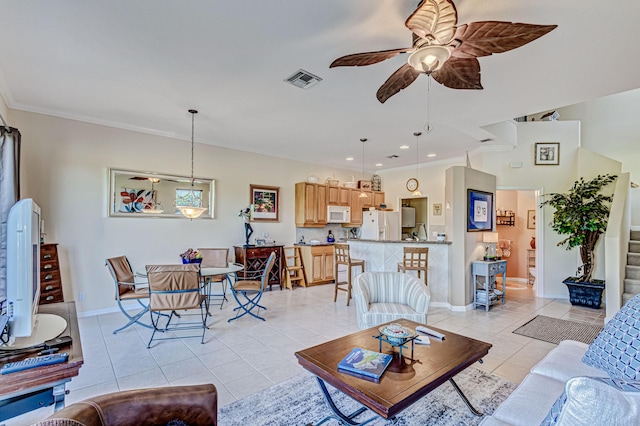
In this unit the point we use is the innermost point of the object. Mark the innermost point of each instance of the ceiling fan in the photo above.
(445, 51)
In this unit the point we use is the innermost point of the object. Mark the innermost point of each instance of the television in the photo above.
(26, 326)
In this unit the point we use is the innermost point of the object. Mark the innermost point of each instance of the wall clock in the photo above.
(412, 184)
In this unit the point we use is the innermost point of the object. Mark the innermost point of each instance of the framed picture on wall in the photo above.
(479, 211)
(531, 219)
(547, 153)
(437, 209)
(266, 203)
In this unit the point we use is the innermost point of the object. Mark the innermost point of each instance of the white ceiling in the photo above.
(141, 64)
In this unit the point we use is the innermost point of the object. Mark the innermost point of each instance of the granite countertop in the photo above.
(403, 241)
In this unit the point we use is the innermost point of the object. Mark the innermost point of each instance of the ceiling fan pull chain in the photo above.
(428, 126)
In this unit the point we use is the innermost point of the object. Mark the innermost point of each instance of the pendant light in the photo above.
(416, 192)
(362, 193)
(194, 209)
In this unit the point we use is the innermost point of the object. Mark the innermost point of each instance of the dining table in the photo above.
(207, 273)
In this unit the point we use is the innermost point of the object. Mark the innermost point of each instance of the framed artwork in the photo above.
(136, 200)
(531, 219)
(437, 209)
(479, 211)
(547, 153)
(266, 203)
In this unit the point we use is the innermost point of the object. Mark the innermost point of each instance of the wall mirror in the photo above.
(150, 194)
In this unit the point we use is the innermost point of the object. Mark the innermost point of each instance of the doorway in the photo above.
(414, 217)
(516, 214)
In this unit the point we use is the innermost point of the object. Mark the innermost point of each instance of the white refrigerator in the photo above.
(380, 225)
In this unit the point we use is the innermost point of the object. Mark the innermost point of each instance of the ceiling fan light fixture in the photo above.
(429, 58)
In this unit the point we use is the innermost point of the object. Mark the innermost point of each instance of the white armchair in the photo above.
(382, 297)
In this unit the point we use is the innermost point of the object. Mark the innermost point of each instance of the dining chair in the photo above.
(128, 289)
(415, 259)
(343, 257)
(251, 290)
(216, 258)
(173, 288)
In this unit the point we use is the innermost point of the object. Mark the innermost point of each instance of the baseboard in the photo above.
(451, 307)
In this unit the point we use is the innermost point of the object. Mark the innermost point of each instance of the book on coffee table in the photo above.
(365, 362)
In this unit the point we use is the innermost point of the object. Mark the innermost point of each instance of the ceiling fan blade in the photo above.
(367, 58)
(459, 73)
(402, 78)
(434, 18)
(488, 37)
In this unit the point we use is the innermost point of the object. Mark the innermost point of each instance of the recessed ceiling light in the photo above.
(378, 164)
(431, 155)
(349, 158)
(404, 147)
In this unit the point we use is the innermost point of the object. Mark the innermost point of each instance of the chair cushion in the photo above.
(380, 313)
(247, 286)
(616, 349)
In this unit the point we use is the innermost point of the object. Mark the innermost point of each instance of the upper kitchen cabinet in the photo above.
(338, 196)
(311, 205)
(378, 198)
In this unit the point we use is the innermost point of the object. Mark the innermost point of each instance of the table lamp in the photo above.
(490, 239)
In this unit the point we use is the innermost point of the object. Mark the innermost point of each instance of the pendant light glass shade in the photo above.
(417, 192)
(194, 209)
(362, 193)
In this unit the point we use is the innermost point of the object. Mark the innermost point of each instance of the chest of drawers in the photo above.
(50, 281)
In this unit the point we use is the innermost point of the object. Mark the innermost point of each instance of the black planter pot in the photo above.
(587, 294)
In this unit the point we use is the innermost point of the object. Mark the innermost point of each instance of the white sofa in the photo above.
(563, 390)
(382, 297)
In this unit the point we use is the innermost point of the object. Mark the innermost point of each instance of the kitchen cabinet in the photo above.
(311, 205)
(356, 209)
(50, 281)
(254, 258)
(484, 275)
(338, 196)
(368, 200)
(378, 198)
(318, 263)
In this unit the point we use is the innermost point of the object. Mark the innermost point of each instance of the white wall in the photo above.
(610, 128)
(65, 169)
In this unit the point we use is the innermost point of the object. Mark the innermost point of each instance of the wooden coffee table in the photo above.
(403, 383)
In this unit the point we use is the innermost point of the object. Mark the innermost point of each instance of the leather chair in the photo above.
(173, 288)
(251, 290)
(125, 286)
(195, 405)
(216, 258)
(383, 297)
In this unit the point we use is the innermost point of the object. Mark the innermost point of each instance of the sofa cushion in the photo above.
(593, 401)
(530, 402)
(616, 349)
(564, 362)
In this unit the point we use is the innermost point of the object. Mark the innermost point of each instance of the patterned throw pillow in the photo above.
(554, 412)
(616, 350)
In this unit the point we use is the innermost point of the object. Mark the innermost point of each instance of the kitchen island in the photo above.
(385, 255)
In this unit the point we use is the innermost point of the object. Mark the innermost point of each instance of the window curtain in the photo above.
(9, 192)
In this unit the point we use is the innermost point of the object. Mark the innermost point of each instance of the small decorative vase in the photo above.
(532, 243)
(330, 237)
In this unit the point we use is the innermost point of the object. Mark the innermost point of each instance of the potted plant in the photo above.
(582, 214)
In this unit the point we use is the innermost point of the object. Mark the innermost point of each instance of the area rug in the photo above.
(555, 330)
(298, 401)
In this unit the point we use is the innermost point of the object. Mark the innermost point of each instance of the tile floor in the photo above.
(248, 355)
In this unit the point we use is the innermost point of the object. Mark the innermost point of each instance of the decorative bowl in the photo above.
(332, 182)
(395, 333)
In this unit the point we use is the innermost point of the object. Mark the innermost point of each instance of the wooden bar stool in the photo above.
(293, 268)
(343, 258)
(415, 259)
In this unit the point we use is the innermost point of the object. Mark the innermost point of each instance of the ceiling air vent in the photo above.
(303, 79)
(392, 156)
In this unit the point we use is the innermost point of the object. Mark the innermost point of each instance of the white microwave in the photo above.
(338, 214)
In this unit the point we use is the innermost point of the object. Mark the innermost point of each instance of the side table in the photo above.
(484, 280)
